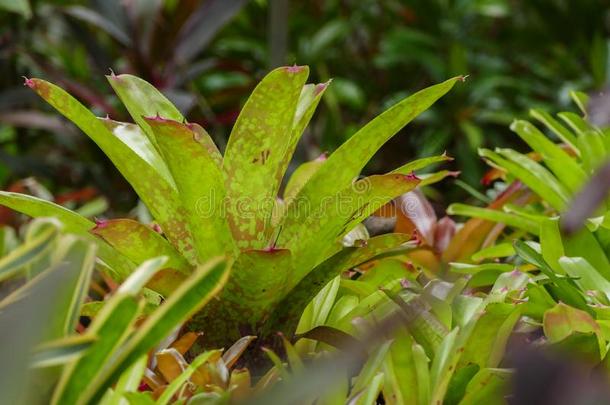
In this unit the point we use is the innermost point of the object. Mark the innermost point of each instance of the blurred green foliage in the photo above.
(518, 54)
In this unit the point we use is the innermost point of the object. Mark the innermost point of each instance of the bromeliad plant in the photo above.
(206, 204)
(569, 291)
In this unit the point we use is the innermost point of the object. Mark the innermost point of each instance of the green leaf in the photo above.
(311, 95)
(371, 368)
(128, 383)
(18, 6)
(563, 321)
(27, 253)
(25, 313)
(423, 374)
(79, 254)
(562, 132)
(532, 174)
(60, 351)
(175, 385)
(371, 391)
(111, 327)
(190, 296)
(466, 268)
(588, 276)
(318, 230)
(349, 159)
(139, 242)
(301, 176)
(401, 384)
(200, 183)
(143, 100)
(496, 251)
(295, 301)
(563, 165)
(487, 342)
(551, 244)
(159, 196)
(488, 386)
(494, 215)
(132, 136)
(418, 164)
(72, 222)
(566, 291)
(255, 156)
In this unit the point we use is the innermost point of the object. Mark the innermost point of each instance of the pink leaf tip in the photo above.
(293, 69)
(320, 87)
(100, 223)
(412, 176)
(29, 82)
(463, 78)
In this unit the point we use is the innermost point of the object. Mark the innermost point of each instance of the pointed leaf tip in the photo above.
(294, 69)
(28, 82)
(411, 176)
(463, 78)
(100, 223)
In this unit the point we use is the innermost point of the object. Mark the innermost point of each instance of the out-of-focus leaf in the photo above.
(26, 253)
(293, 304)
(202, 25)
(587, 200)
(98, 20)
(555, 126)
(60, 351)
(563, 166)
(563, 321)
(234, 352)
(18, 6)
(35, 303)
(190, 296)
(175, 385)
(500, 250)
(532, 174)
(587, 277)
(255, 156)
(495, 216)
(488, 386)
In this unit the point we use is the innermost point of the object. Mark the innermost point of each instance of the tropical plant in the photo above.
(206, 205)
(570, 272)
(53, 272)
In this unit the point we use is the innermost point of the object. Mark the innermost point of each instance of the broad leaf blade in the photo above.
(256, 152)
(200, 184)
(346, 163)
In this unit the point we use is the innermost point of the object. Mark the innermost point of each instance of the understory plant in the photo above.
(282, 247)
(567, 263)
(46, 280)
